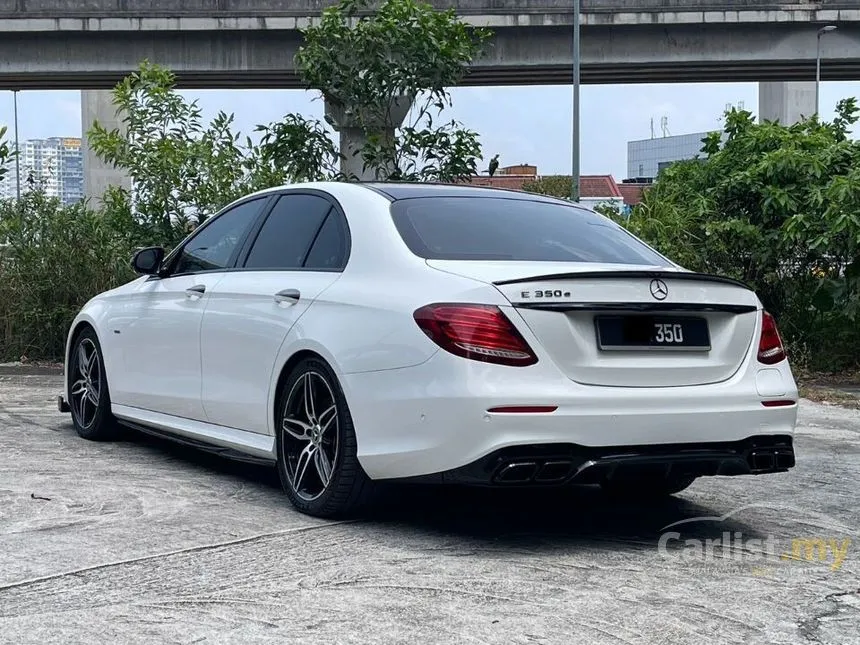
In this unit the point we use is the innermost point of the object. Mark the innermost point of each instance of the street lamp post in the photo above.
(574, 188)
(824, 30)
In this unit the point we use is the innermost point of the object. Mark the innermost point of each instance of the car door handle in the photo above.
(196, 291)
(288, 295)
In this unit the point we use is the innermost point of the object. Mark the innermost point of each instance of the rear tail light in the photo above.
(770, 347)
(479, 332)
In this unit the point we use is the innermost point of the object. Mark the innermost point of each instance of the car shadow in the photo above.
(546, 517)
(551, 516)
(265, 475)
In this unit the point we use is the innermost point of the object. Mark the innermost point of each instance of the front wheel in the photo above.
(316, 444)
(89, 398)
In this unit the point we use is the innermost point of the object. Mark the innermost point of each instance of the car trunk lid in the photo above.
(627, 325)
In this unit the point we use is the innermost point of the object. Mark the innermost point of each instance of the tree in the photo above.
(369, 65)
(183, 171)
(365, 63)
(779, 208)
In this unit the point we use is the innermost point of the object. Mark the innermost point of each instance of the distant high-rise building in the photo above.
(55, 164)
(647, 157)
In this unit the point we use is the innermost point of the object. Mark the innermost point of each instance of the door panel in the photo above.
(252, 311)
(243, 329)
(156, 329)
(157, 332)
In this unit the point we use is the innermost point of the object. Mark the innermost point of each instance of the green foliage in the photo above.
(779, 208)
(552, 185)
(363, 60)
(404, 47)
(418, 153)
(6, 153)
(55, 258)
(301, 147)
(182, 171)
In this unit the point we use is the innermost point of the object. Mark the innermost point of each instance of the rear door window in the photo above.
(288, 232)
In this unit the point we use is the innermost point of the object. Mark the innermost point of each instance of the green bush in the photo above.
(779, 208)
(55, 258)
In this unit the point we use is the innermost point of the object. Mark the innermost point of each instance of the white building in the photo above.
(56, 164)
(647, 157)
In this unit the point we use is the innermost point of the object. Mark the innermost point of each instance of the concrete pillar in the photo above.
(354, 132)
(787, 103)
(97, 105)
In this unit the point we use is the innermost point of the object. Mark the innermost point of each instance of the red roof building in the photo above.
(598, 186)
(593, 189)
(632, 193)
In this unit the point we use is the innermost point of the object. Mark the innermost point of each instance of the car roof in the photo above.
(411, 190)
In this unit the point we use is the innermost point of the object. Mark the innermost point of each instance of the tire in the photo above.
(646, 488)
(319, 439)
(89, 397)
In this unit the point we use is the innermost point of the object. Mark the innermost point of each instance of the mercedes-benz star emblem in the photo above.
(659, 289)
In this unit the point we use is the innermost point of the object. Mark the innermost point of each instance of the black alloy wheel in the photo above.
(89, 397)
(316, 444)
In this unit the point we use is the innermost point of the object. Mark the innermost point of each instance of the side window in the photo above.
(330, 248)
(288, 232)
(213, 246)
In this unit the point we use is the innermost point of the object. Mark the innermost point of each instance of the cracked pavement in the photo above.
(144, 541)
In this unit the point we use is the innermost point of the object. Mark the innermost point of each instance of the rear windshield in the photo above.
(498, 228)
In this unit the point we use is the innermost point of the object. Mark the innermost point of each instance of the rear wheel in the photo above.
(646, 487)
(316, 444)
(89, 398)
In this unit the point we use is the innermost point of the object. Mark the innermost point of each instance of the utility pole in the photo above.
(821, 32)
(574, 188)
(17, 151)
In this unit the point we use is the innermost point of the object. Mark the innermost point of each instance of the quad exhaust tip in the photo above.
(769, 460)
(517, 472)
(562, 469)
(545, 472)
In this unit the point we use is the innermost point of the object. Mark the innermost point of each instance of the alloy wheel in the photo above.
(310, 440)
(85, 391)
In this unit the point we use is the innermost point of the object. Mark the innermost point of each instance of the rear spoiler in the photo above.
(670, 275)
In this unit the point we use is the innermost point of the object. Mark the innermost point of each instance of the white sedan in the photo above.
(355, 333)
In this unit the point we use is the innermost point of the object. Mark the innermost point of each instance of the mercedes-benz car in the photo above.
(357, 333)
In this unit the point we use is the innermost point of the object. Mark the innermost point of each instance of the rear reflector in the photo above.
(478, 332)
(524, 409)
(777, 404)
(770, 347)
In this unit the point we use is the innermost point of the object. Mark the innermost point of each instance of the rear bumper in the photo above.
(564, 464)
(434, 417)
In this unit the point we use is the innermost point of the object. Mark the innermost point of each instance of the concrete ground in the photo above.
(144, 541)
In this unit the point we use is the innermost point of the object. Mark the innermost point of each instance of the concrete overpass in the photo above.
(91, 44)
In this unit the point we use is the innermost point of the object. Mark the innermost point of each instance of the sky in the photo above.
(521, 124)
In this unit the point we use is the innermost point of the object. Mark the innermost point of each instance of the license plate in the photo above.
(652, 332)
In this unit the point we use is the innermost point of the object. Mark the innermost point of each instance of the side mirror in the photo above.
(148, 261)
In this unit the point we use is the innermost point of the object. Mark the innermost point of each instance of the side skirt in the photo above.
(228, 442)
(229, 453)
